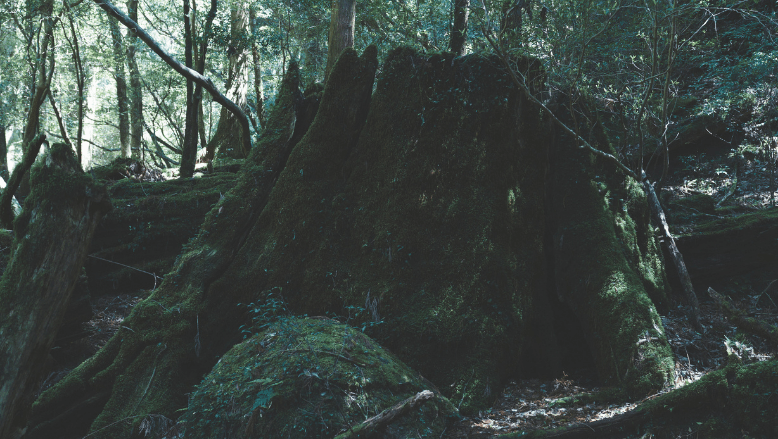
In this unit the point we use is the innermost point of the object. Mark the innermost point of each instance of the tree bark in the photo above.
(459, 27)
(194, 94)
(189, 148)
(121, 87)
(20, 171)
(60, 121)
(49, 252)
(80, 83)
(184, 71)
(257, 58)
(341, 33)
(226, 140)
(136, 91)
(3, 154)
(658, 215)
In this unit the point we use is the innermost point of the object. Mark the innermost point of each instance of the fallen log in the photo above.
(742, 321)
(51, 240)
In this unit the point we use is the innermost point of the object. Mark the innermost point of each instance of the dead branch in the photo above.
(370, 427)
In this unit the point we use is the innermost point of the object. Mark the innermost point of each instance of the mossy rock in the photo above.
(309, 378)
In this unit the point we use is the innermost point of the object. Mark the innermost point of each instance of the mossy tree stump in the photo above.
(52, 237)
(432, 203)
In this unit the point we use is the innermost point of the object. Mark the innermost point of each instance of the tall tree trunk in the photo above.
(43, 72)
(121, 87)
(136, 91)
(510, 26)
(194, 93)
(257, 58)
(36, 286)
(459, 27)
(341, 33)
(80, 84)
(3, 154)
(189, 148)
(227, 139)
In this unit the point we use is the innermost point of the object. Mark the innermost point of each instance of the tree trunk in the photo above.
(50, 247)
(80, 83)
(121, 87)
(189, 148)
(257, 58)
(3, 155)
(459, 27)
(136, 90)
(194, 94)
(226, 141)
(44, 72)
(510, 25)
(20, 171)
(341, 33)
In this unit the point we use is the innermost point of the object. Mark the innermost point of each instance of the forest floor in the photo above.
(542, 404)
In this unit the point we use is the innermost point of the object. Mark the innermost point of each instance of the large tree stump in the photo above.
(52, 237)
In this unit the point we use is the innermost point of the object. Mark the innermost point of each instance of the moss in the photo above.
(306, 378)
(727, 225)
(176, 312)
(608, 266)
(148, 228)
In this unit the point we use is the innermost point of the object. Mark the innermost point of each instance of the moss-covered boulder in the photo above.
(306, 378)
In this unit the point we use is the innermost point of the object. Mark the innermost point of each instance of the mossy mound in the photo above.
(121, 168)
(150, 223)
(309, 378)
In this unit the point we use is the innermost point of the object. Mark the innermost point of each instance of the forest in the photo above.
(388, 219)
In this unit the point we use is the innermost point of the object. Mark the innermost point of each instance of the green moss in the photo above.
(727, 225)
(609, 267)
(308, 378)
(148, 227)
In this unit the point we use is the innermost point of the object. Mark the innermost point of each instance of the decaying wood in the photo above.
(6, 199)
(744, 322)
(38, 282)
(668, 242)
(371, 426)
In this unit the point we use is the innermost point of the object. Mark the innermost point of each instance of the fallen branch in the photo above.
(680, 267)
(371, 426)
(739, 318)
